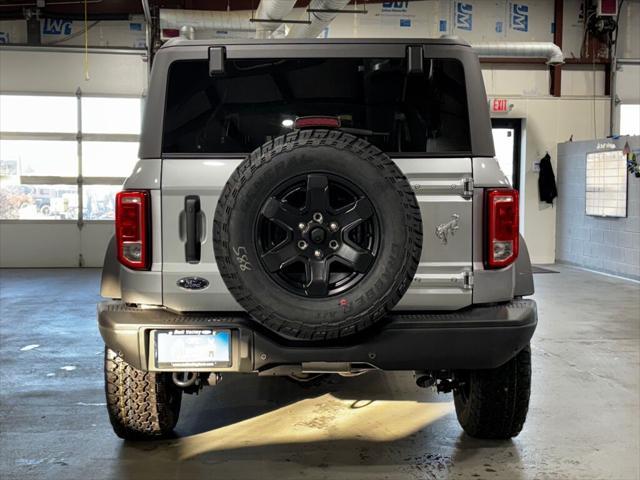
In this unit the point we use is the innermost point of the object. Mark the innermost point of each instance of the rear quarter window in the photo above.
(255, 101)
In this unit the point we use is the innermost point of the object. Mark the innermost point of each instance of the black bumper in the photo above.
(477, 337)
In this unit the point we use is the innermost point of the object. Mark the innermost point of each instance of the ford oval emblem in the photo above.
(193, 283)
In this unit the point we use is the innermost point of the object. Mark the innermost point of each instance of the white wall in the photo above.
(547, 122)
(486, 21)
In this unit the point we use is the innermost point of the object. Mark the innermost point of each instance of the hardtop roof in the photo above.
(182, 42)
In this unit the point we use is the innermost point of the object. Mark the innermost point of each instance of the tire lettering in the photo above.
(242, 258)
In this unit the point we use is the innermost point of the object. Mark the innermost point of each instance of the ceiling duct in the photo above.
(266, 20)
(188, 32)
(206, 23)
(547, 50)
(268, 14)
(319, 19)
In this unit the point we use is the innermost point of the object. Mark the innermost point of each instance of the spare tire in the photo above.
(317, 234)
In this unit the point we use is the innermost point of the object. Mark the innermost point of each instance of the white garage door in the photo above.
(63, 155)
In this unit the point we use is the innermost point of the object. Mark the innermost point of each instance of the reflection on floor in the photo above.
(583, 422)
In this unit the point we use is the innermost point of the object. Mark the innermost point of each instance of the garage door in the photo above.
(62, 158)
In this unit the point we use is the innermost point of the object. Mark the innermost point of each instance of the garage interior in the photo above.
(563, 80)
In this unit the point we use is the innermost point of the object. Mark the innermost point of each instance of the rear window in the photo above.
(257, 100)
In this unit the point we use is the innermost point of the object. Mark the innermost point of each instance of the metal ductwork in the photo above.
(271, 10)
(205, 21)
(188, 32)
(547, 50)
(319, 20)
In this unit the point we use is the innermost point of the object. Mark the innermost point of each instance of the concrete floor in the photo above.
(583, 422)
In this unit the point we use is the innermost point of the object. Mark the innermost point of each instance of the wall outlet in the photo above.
(535, 166)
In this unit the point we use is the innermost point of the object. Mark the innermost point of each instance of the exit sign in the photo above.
(499, 105)
(608, 8)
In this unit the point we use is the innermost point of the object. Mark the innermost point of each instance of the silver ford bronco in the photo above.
(313, 207)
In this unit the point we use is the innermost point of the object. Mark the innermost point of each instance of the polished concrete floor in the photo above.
(583, 422)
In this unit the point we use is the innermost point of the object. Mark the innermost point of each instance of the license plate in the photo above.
(193, 348)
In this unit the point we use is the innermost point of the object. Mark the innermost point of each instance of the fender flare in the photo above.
(110, 283)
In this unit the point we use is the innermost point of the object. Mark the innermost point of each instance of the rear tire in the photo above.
(493, 403)
(141, 405)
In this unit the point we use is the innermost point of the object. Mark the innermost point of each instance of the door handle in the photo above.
(192, 214)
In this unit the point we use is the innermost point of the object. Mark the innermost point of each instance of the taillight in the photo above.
(502, 227)
(132, 229)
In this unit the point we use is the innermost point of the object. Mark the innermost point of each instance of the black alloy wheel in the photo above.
(317, 235)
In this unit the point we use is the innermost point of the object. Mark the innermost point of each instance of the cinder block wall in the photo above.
(610, 245)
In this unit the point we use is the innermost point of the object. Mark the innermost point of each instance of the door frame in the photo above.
(516, 125)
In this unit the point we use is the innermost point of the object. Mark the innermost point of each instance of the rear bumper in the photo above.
(474, 338)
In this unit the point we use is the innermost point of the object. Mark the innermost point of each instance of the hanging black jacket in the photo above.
(547, 181)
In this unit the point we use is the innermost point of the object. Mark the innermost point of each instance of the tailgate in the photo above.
(444, 189)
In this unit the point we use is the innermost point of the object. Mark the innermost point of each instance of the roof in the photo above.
(445, 40)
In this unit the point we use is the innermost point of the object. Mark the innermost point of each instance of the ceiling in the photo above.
(118, 8)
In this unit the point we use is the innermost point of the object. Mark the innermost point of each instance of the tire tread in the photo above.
(141, 405)
(498, 400)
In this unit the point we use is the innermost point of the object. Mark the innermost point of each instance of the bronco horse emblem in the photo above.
(444, 230)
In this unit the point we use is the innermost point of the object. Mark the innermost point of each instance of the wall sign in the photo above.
(56, 26)
(606, 186)
(395, 6)
(519, 17)
(464, 16)
(500, 105)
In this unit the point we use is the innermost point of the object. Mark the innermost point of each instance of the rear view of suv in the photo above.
(314, 207)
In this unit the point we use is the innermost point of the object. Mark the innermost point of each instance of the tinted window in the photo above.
(256, 100)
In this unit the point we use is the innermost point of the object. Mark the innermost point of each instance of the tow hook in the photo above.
(185, 379)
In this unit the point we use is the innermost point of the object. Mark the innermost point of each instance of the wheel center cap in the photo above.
(317, 235)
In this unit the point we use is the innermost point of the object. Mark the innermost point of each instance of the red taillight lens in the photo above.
(132, 229)
(503, 237)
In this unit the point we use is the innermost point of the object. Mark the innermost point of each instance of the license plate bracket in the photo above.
(192, 348)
